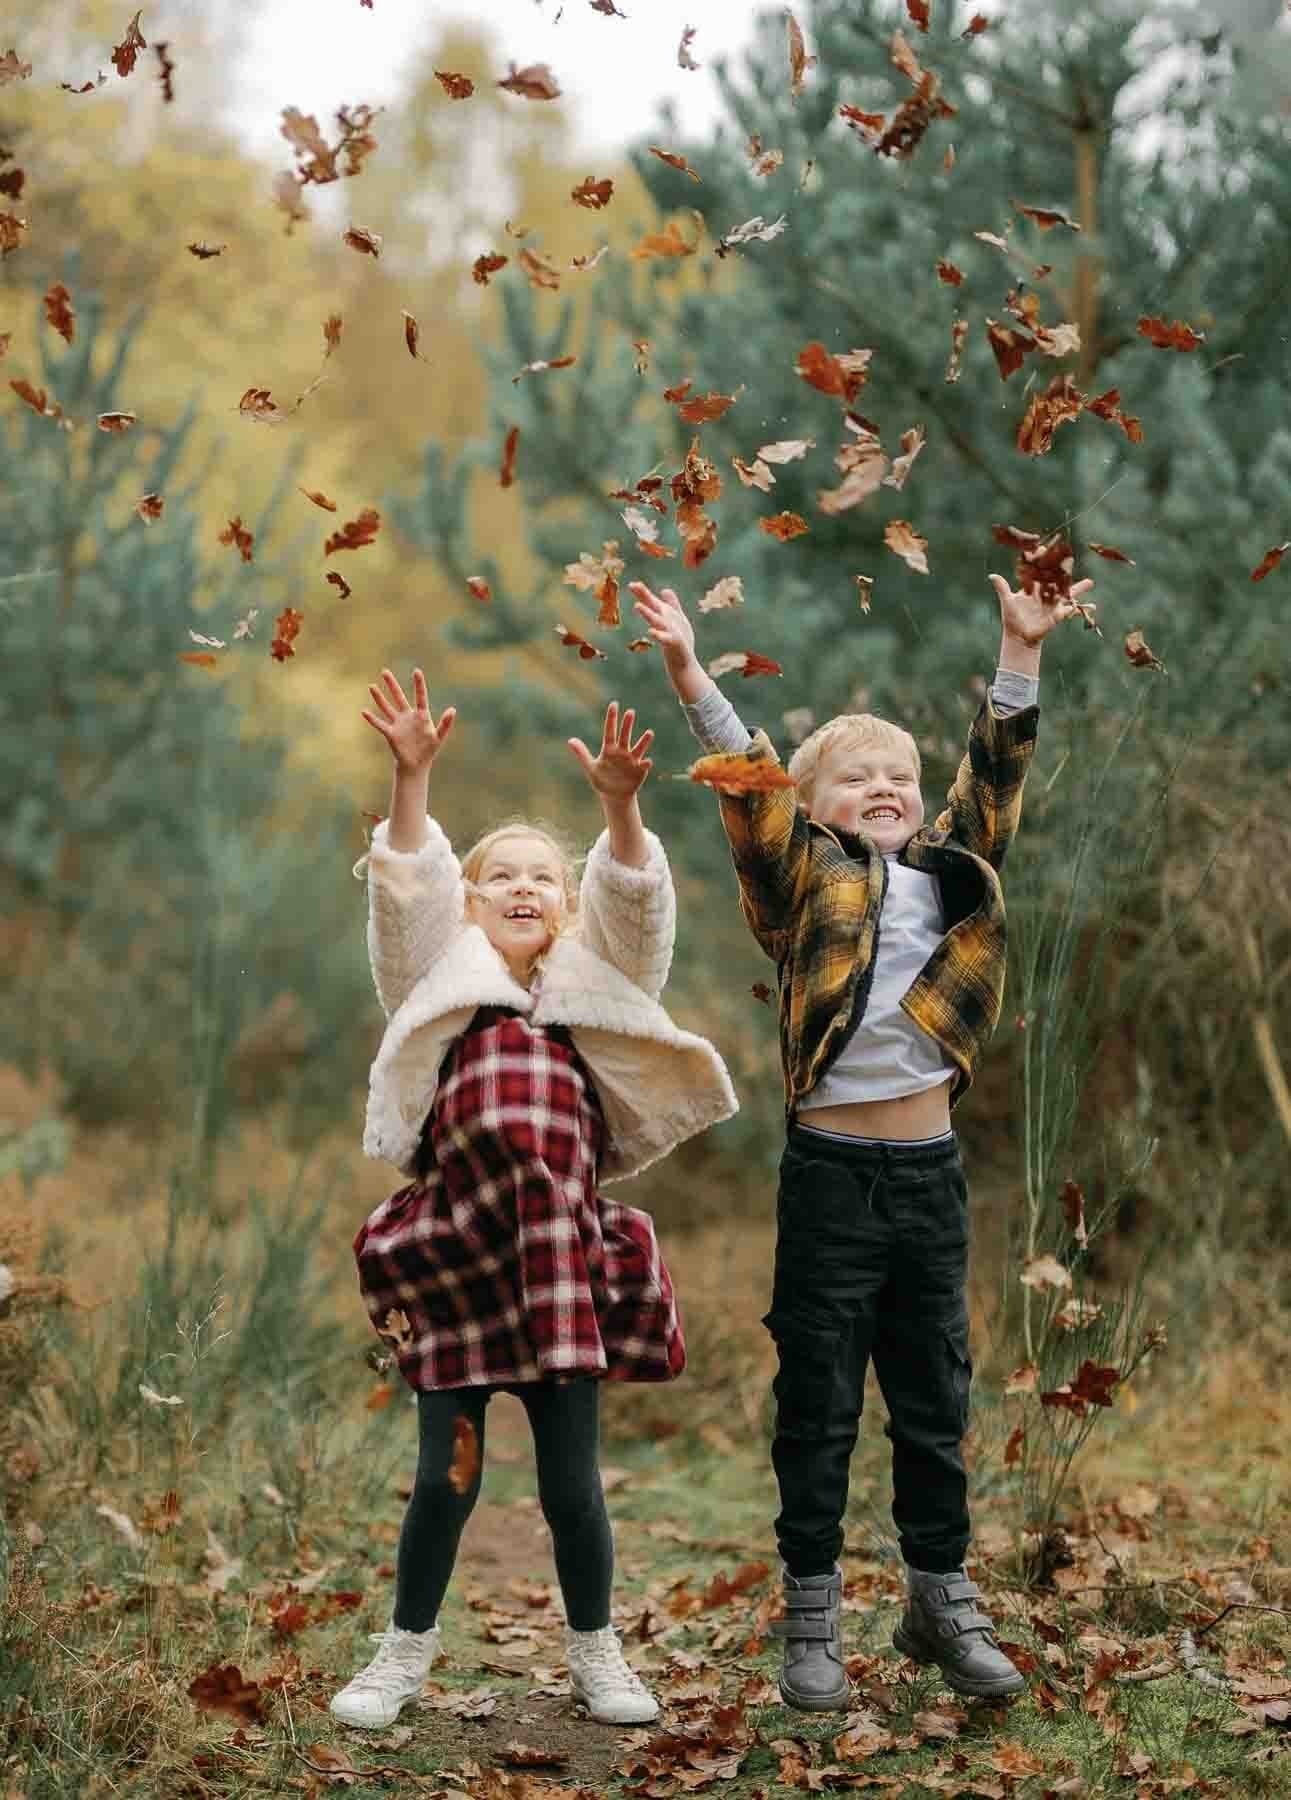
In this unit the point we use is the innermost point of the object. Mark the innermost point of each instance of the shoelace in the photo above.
(605, 1658)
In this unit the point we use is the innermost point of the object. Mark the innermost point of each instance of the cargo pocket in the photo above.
(806, 1381)
(961, 1371)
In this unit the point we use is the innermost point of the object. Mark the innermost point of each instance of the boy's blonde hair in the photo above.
(566, 857)
(860, 731)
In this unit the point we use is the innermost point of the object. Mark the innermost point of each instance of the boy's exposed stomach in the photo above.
(919, 1115)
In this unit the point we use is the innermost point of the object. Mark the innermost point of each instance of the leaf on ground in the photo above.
(222, 1689)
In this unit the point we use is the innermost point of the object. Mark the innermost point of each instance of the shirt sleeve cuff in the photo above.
(1011, 692)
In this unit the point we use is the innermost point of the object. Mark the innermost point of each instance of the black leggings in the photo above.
(564, 1417)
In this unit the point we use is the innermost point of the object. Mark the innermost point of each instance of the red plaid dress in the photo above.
(504, 1264)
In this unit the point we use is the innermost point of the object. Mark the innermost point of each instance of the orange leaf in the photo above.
(1045, 218)
(412, 336)
(1057, 405)
(738, 773)
(507, 472)
(1015, 1446)
(457, 87)
(36, 399)
(702, 409)
(359, 238)
(60, 312)
(479, 587)
(668, 242)
(339, 581)
(573, 641)
(221, 1688)
(318, 499)
(332, 328)
(286, 631)
(841, 375)
(918, 11)
(203, 250)
(536, 368)
(1108, 406)
(484, 266)
(950, 273)
(976, 25)
(784, 526)
(355, 534)
(115, 421)
(1112, 554)
(1270, 561)
(465, 1464)
(127, 51)
(10, 228)
(201, 659)
(674, 161)
(593, 194)
(149, 508)
(234, 534)
(540, 270)
(747, 662)
(865, 591)
(1136, 648)
(800, 64)
(535, 82)
(958, 332)
(1009, 346)
(760, 991)
(901, 537)
(1170, 337)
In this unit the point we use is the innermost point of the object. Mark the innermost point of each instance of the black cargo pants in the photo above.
(871, 1261)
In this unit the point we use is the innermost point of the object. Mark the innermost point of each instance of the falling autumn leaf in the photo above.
(165, 71)
(11, 229)
(12, 68)
(465, 1463)
(976, 25)
(674, 161)
(800, 64)
(286, 629)
(684, 59)
(457, 87)
(668, 242)
(60, 313)
(843, 376)
(115, 421)
(1108, 406)
(1136, 648)
(1170, 337)
(958, 333)
(540, 271)
(702, 409)
(1270, 561)
(1092, 1387)
(763, 162)
(234, 534)
(593, 194)
(257, 404)
(784, 526)
(950, 273)
(200, 659)
(1009, 346)
(149, 508)
(573, 641)
(1112, 554)
(760, 991)
(1056, 405)
(332, 327)
(904, 541)
(745, 662)
(127, 51)
(203, 251)
(755, 474)
(599, 575)
(487, 265)
(507, 469)
(318, 499)
(358, 238)
(479, 587)
(356, 534)
(412, 336)
(865, 591)
(755, 230)
(535, 82)
(37, 399)
(918, 11)
(1044, 217)
(536, 368)
(344, 590)
(729, 591)
(912, 443)
(738, 773)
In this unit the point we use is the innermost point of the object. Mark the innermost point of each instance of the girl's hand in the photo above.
(619, 771)
(1030, 619)
(413, 736)
(668, 626)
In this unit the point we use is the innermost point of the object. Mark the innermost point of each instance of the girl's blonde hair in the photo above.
(860, 731)
(567, 858)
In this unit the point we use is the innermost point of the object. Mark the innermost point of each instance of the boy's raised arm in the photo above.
(768, 834)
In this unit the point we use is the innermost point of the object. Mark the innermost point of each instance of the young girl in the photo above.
(526, 1055)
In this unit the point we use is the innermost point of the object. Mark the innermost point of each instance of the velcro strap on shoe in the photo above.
(818, 1630)
(813, 1599)
(955, 1624)
(958, 1588)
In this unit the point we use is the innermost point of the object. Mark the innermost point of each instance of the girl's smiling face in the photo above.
(518, 900)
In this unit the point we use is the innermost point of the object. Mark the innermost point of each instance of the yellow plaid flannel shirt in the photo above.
(812, 896)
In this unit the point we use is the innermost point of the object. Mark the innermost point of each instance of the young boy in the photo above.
(889, 939)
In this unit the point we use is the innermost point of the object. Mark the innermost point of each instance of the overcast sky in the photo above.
(613, 72)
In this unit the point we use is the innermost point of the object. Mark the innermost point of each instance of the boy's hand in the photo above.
(670, 629)
(622, 766)
(413, 736)
(1028, 619)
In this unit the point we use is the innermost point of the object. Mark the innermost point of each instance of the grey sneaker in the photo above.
(813, 1678)
(943, 1624)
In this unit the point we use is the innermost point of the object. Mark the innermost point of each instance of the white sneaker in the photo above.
(610, 1690)
(395, 1675)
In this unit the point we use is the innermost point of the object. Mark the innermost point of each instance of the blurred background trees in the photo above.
(163, 823)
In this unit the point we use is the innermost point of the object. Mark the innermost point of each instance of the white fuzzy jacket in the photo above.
(657, 1084)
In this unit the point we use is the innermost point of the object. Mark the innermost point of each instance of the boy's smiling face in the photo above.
(870, 789)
